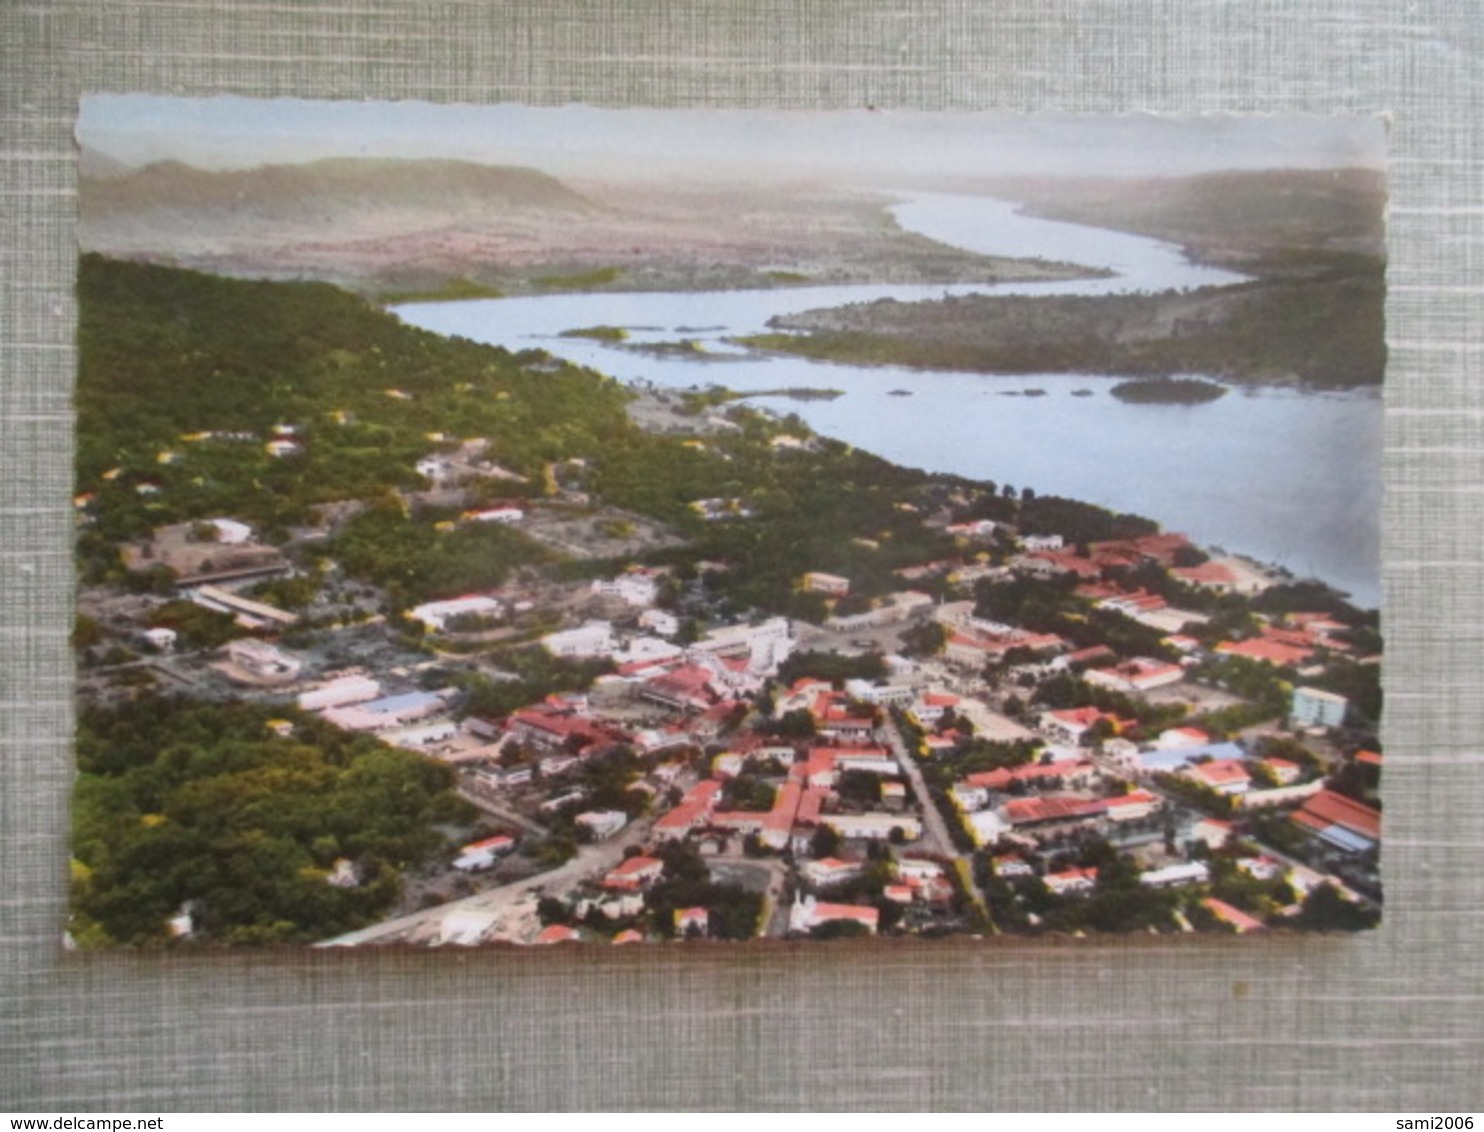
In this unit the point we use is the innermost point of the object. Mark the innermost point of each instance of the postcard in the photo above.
(514, 525)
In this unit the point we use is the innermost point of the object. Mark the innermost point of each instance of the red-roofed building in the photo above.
(556, 728)
(1022, 813)
(558, 933)
(692, 921)
(1133, 806)
(831, 870)
(839, 717)
(1268, 651)
(1132, 602)
(772, 826)
(808, 914)
(1012, 866)
(1179, 738)
(1138, 675)
(1161, 548)
(1060, 562)
(1074, 772)
(1087, 656)
(810, 803)
(1328, 812)
(689, 688)
(1071, 725)
(1225, 776)
(1071, 881)
(693, 811)
(1208, 576)
(1285, 772)
(825, 764)
(1238, 919)
(1211, 832)
(634, 874)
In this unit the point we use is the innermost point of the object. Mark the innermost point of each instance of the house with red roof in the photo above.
(771, 826)
(831, 870)
(1071, 725)
(1133, 806)
(1161, 548)
(556, 728)
(1225, 776)
(1047, 811)
(691, 922)
(1180, 738)
(1049, 562)
(1268, 651)
(1240, 921)
(1071, 881)
(808, 913)
(687, 688)
(1285, 772)
(1011, 866)
(839, 717)
(1216, 576)
(693, 811)
(482, 854)
(634, 874)
(1140, 674)
(1340, 821)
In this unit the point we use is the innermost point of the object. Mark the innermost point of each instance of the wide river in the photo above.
(1287, 476)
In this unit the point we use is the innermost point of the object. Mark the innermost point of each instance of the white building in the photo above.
(658, 621)
(601, 824)
(1187, 872)
(161, 638)
(872, 827)
(593, 639)
(505, 515)
(262, 659)
(635, 587)
(340, 692)
(436, 614)
(229, 532)
(1313, 707)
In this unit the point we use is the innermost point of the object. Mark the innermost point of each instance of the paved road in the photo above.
(938, 839)
(474, 797)
(590, 862)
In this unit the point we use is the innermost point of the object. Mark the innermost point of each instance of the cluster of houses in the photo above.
(848, 793)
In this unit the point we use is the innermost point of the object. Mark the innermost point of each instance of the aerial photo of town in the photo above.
(514, 526)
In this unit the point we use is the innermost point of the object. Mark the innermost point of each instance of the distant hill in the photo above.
(1235, 216)
(94, 163)
(323, 189)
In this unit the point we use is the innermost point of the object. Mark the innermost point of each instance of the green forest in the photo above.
(168, 356)
(203, 808)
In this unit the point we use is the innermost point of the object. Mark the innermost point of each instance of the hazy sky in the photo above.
(231, 132)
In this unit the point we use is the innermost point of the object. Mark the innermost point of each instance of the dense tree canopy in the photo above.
(203, 807)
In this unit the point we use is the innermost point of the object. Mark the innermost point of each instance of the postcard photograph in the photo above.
(511, 525)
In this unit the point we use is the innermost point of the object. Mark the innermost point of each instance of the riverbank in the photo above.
(1325, 332)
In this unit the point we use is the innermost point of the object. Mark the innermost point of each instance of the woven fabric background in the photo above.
(1392, 1020)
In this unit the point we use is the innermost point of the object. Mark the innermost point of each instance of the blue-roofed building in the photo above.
(407, 701)
(1345, 840)
(389, 711)
(1168, 762)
